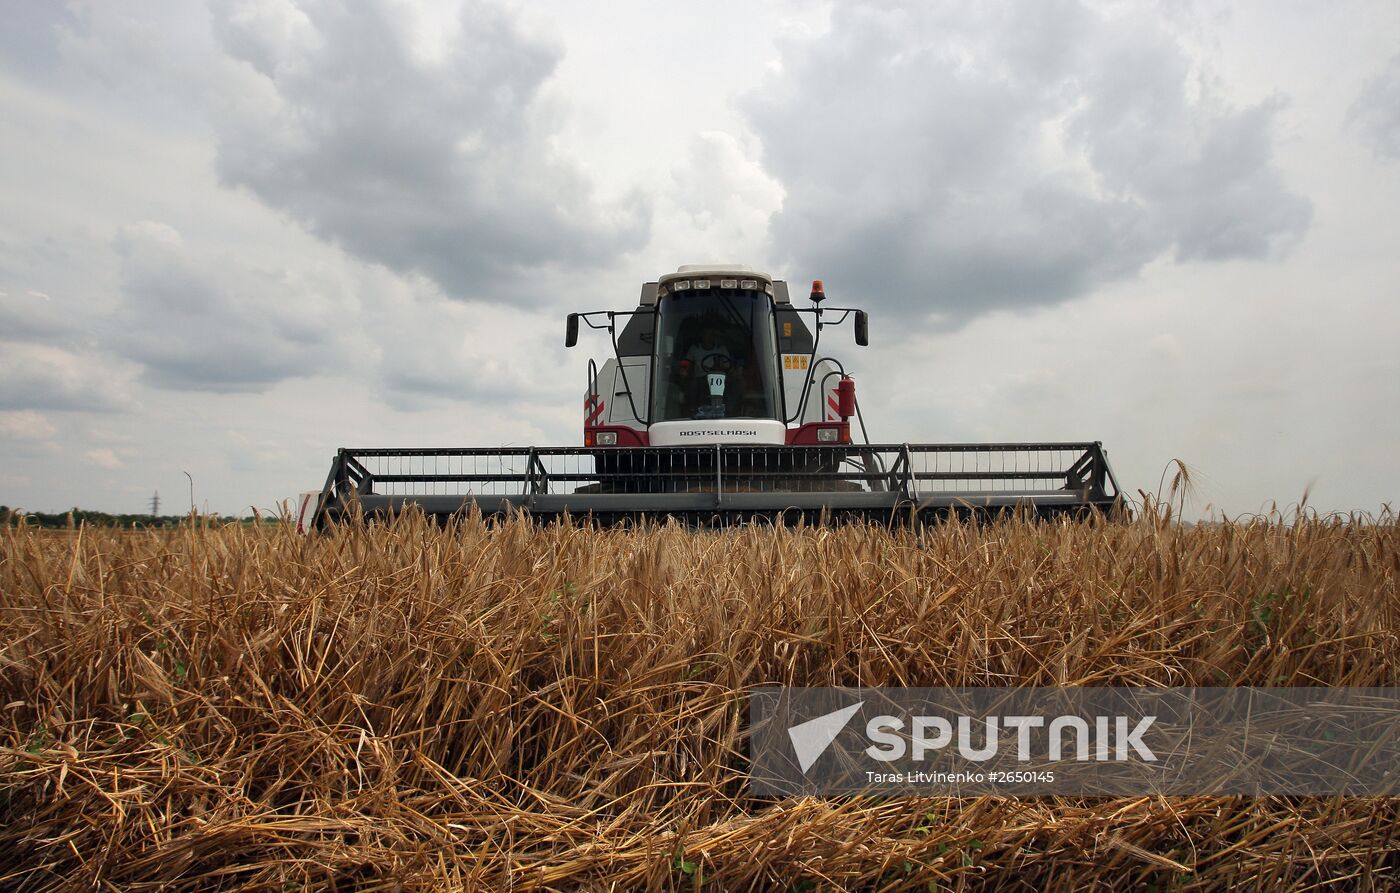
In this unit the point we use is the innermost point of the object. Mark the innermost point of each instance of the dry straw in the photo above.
(525, 707)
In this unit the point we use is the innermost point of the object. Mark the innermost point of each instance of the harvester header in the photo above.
(718, 402)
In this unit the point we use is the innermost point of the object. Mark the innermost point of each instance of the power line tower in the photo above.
(155, 504)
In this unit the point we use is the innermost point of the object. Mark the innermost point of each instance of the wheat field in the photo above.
(407, 707)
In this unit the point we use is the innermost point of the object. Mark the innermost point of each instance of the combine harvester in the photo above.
(717, 406)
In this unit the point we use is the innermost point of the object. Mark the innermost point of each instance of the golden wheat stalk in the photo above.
(515, 706)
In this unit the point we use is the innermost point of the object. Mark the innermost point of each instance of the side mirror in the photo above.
(571, 330)
(862, 329)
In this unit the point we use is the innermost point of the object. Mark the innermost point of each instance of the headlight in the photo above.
(606, 438)
(826, 435)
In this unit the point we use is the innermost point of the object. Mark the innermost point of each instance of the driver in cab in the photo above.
(707, 356)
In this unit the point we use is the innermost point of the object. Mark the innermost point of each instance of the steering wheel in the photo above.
(716, 362)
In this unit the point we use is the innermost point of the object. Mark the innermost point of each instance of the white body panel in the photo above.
(305, 510)
(821, 402)
(613, 388)
(711, 431)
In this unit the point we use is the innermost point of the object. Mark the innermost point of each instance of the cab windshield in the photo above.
(716, 357)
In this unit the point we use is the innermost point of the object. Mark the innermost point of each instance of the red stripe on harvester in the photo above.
(301, 513)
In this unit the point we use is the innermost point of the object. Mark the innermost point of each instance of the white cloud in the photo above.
(720, 202)
(25, 424)
(104, 458)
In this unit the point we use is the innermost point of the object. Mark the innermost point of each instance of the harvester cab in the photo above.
(717, 355)
(717, 404)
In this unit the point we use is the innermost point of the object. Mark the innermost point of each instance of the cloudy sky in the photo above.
(239, 234)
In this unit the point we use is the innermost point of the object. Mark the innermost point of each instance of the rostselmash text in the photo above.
(714, 432)
(1059, 738)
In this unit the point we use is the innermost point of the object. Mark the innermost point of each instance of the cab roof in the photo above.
(715, 272)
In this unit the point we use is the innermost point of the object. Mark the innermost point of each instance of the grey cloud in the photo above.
(1375, 114)
(28, 42)
(954, 159)
(48, 285)
(202, 321)
(433, 163)
(40, 377)
(434, 349)
(27, 315)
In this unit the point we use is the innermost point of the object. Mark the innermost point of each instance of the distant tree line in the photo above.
(61, 520)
